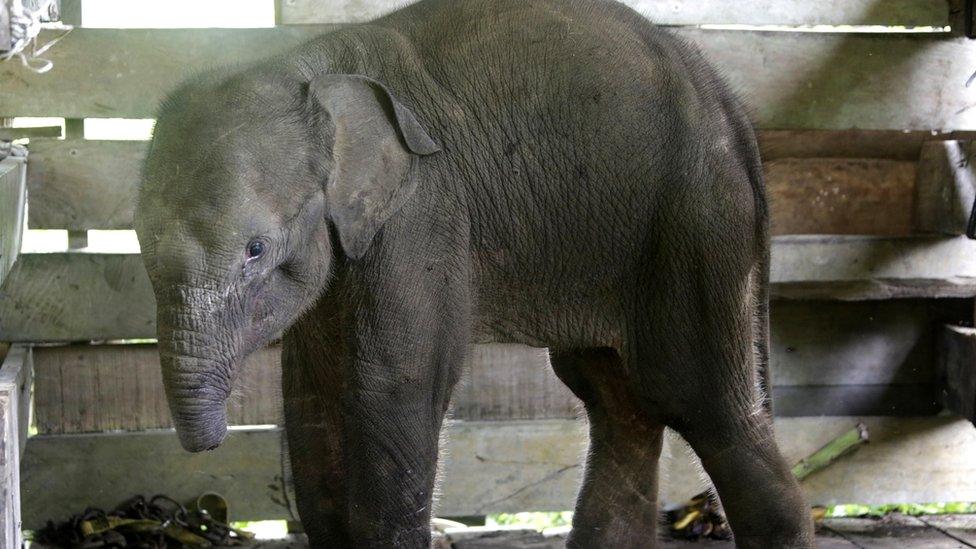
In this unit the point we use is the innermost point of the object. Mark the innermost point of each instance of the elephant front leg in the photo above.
(363, 437)
(393, 435)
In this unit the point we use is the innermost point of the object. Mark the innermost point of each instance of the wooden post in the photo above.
(74, 128)
(13, 197)
(15, 388)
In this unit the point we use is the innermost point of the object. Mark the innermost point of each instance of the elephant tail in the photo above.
(760, 274)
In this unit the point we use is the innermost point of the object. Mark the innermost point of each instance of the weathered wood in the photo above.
(946, 187)
(854, 268)
(956, 370)
(15, 381)
(895, 530)
(828, 358)
(18, 133)
(5, 38)
(889, 13)
(847, 400)
(91, 297)
(77, 296)
(851, 143)
(792, 80)
(82, 388)
(490, 467)
(96, 297)
(78, 185)
(909, 460)
(13, 202)
(960, 527)
(840, 196)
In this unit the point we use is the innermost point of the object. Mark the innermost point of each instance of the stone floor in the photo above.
(901, 531)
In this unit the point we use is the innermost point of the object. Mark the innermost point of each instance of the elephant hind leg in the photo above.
(617, 504)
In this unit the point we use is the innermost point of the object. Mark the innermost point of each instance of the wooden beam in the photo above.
(840, 196)
(889, 13)
(13, 203)
(77, 296)
(15, 387)
(34, 132)
(855, 268)
(828, 358)
(877, 144)
(81, 296)
(489, 467)
(79, 185)
(946, 188)
(792, 80)
(956, 369)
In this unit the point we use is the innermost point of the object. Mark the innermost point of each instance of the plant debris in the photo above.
(161, 522)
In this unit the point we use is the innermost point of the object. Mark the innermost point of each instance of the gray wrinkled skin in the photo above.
(554, 173)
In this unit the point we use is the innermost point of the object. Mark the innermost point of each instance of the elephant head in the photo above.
(248, 180)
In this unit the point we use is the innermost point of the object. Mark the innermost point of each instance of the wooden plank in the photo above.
(892, 530)
(909, 460)
(13, 203)
(841, 196)
(848, 400)
(490, 467)
(15, 381)
(907, 13)
(851, 143)
(792, 80)
(828, 358)
(856, 268)
(82, 388)
(946, 188)
(956, 370)
(77, 296)
(960, 527)
(65, 474)
(79, 185)
(90, 171)
(33, 132)
(81, 296)
(820, 343)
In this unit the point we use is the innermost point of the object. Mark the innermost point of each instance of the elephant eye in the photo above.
(254, 249)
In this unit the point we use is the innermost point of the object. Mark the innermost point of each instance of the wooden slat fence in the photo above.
(862, 135)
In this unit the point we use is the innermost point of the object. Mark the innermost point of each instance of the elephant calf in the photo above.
(558, 173)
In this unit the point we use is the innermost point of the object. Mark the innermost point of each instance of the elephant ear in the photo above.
(376, 147)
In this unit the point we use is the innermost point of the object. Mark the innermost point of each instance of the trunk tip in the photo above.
(202, 442)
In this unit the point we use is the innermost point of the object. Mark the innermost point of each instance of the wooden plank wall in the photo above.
(80, 185)
(791, 80)
(852, 127)
(907, 13)
(491, 467)
(828, 358)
